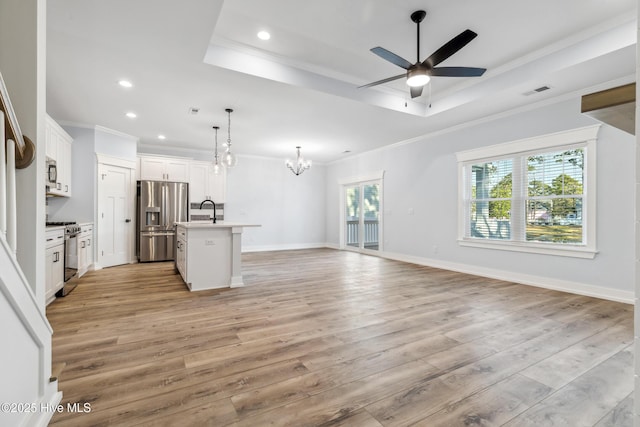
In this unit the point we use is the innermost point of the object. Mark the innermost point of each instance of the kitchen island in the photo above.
(208, 255)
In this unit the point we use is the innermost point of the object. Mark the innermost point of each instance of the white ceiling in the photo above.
(300, 87)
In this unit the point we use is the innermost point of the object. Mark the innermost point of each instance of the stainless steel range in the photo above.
(71, 231)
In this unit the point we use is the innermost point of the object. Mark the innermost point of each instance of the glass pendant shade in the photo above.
(229, 159)
(216, 157)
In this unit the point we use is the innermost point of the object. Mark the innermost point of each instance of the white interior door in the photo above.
(115, 216)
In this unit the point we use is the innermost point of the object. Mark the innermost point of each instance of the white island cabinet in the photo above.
(208, 256)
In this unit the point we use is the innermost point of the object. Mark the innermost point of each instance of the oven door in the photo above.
(70, 256)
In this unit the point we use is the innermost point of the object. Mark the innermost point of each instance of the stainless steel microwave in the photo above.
(52, 171)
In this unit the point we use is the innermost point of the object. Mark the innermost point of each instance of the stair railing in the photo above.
(16, 152)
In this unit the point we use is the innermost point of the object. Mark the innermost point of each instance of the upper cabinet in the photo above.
(204, 184)
(164, 169)
(58, 149)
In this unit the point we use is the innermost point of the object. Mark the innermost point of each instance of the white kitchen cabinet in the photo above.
(171, 169)
(181, 253)
(64, 172)
(204, 184)
(85, 248)
(54, 263)
(51, 149)
(58, 148)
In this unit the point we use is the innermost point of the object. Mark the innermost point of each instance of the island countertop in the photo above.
(219, 224)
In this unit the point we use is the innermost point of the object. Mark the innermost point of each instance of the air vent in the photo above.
(537, 90)
(194, 110)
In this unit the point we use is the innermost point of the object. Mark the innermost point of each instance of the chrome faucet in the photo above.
(214, 208)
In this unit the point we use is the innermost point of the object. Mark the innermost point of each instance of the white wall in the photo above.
(115, 144)
(25, 360)
(422, 176)
(81, 206)
(261, 190)
(22, 63)
(290, 208)
(176, 152)
(87, 141)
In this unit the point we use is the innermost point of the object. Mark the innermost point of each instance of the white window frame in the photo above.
(370, 178)
(517, 150)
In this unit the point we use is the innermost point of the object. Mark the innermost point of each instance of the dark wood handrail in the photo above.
(25, 148)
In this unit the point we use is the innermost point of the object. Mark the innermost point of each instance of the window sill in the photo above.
(567, 251)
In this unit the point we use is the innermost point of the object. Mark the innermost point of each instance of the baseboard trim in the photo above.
(617, 295)
(41, 418)
(284, 247)
(577, 288)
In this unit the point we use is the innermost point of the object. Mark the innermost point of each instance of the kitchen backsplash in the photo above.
(204, 214)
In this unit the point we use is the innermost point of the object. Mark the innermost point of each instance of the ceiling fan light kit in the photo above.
(418, 77)
(420, 73)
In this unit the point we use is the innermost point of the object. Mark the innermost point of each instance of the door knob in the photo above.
(127, 220)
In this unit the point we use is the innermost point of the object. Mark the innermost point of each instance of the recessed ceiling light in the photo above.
(264, 35)
(162, 137)
(125, 83)
(132, 115)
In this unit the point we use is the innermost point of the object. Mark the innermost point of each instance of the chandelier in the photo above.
(300, 165)
(229, 159)
(216, 158)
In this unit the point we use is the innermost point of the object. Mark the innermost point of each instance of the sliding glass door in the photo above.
(362, 216)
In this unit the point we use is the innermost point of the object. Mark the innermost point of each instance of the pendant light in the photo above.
(229, 159)
(216, 159)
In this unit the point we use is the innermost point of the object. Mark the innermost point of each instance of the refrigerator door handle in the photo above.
(165, 206)
(157, 234)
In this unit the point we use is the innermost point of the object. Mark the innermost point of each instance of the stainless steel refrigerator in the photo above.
(160, 206)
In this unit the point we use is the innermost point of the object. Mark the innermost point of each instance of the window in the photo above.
(534, 195)
(361, 212)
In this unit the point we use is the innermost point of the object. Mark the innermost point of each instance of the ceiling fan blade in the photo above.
(416, 91)
(458, 71)
(391, 57)
(449, 48)
(388, 79)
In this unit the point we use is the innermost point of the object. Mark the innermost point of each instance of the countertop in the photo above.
(219, 224)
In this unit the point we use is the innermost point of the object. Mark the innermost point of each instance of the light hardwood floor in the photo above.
(324, 337)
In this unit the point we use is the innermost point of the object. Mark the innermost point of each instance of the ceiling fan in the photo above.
(419, 74)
